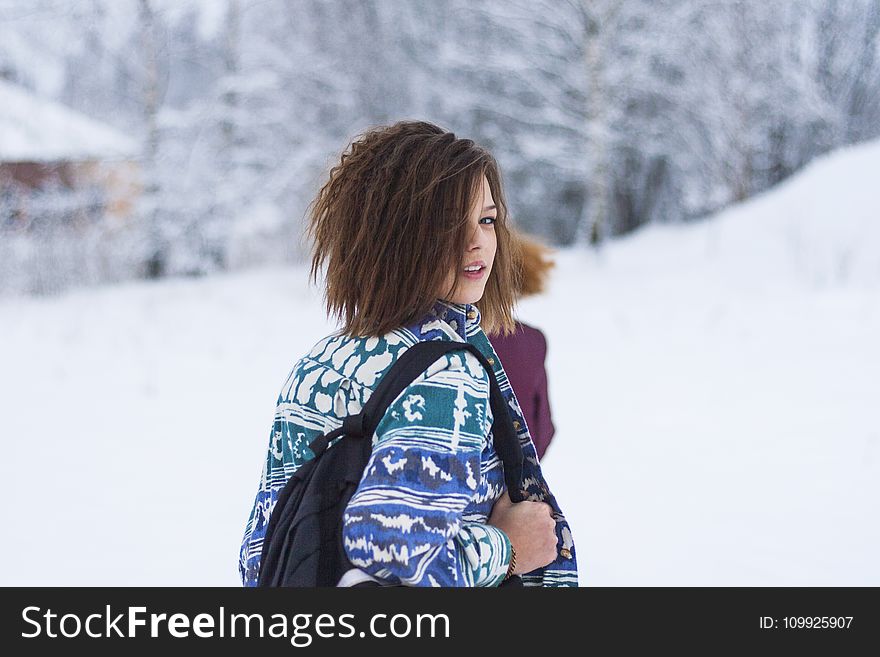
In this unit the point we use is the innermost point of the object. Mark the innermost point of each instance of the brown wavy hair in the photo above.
(391, 222)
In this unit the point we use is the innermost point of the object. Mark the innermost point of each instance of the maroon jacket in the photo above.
(522, 355)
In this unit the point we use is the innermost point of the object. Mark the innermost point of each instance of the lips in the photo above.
(474, 274)
(471, 267)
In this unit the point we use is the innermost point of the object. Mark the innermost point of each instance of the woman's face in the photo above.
(476, 262)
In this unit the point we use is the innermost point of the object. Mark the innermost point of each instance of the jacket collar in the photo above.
(460, 316)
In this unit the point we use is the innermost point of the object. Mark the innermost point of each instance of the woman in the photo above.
(411, 228)
(524, 351)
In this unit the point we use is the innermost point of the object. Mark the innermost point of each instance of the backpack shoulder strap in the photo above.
(413, 362)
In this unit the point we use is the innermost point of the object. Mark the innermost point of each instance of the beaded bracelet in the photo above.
(512, 565)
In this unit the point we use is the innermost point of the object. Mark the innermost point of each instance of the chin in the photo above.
(469, 298)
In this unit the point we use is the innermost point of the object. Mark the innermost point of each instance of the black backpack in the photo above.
(303, 542)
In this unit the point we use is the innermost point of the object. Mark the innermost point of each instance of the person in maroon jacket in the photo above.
(523, 353)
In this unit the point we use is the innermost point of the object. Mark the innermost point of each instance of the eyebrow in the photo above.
(489, 207)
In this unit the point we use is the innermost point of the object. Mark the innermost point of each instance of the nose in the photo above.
(477, 239)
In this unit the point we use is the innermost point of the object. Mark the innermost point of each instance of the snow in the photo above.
(34, 129)
(713, 387)
(209, 15)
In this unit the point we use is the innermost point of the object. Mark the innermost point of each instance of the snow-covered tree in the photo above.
(604, 114)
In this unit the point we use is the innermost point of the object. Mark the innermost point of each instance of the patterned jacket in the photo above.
(418, 516)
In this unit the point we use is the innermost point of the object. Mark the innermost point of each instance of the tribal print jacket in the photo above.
(418, 516)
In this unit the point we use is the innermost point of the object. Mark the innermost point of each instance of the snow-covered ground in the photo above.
(714, 387)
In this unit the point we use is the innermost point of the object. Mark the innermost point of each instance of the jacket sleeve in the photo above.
(544, 430)
(404, 523)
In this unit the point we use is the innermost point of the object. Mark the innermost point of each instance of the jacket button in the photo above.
(491, 361)
(516, 425)
(565, 552)
(472, 314)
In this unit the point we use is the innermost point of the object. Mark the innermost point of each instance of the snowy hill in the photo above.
(818, 229)
(713, 387)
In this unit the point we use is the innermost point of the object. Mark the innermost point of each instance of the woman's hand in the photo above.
(531, 529)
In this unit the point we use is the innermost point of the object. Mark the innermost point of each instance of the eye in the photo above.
(488, 220)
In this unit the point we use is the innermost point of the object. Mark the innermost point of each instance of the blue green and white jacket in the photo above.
(418, 516)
